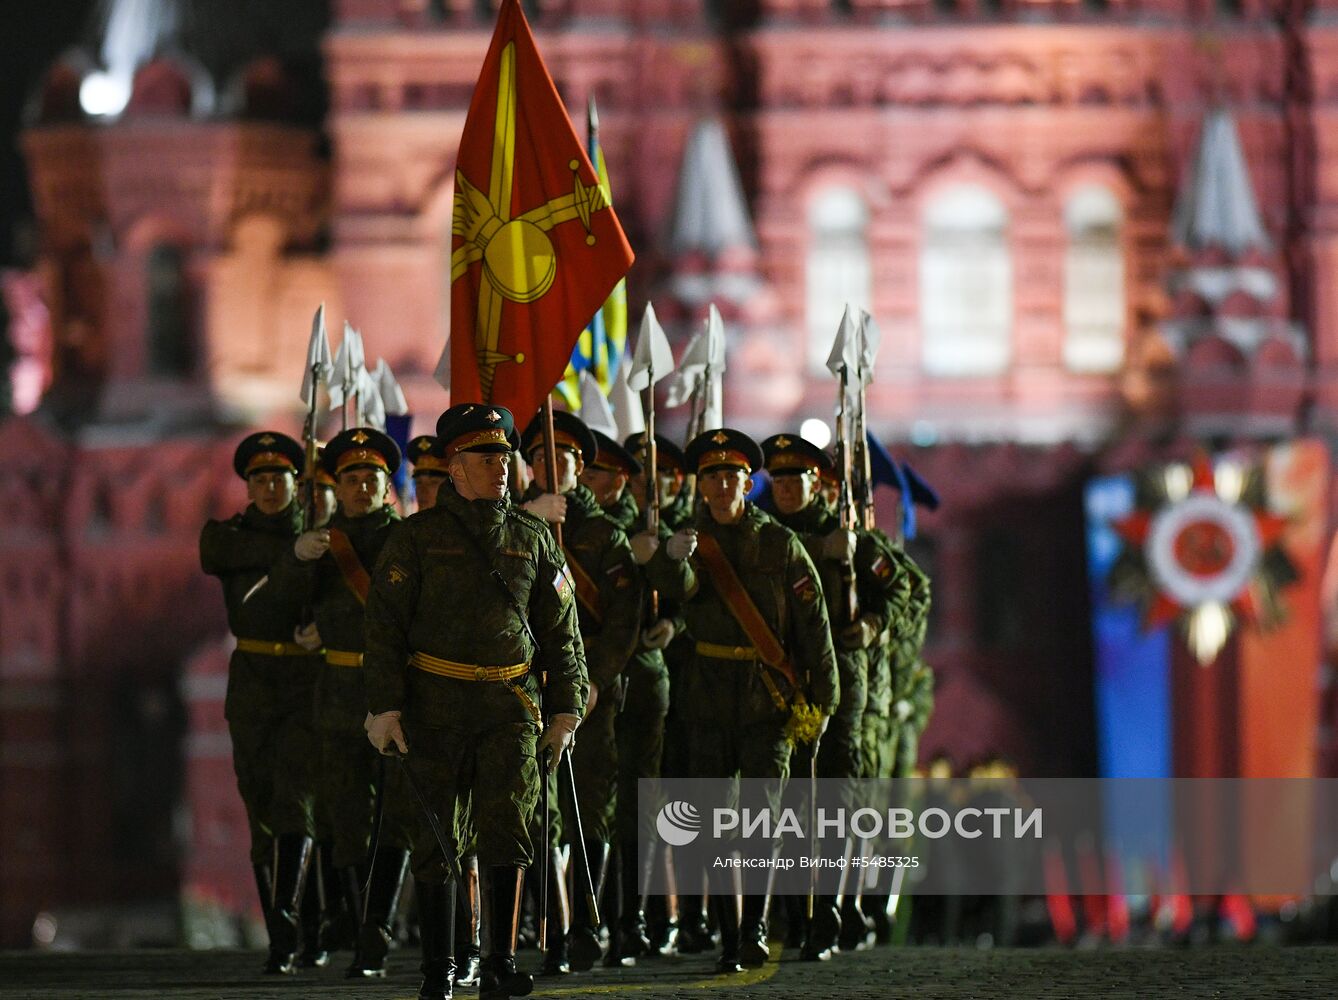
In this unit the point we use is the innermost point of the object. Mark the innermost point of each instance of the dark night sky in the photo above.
(32, 34)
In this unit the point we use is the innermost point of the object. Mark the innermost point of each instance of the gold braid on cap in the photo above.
(792, 461)
(492, 435)
(361, 456)
(724, 456)
(429, 463)
(269, 460)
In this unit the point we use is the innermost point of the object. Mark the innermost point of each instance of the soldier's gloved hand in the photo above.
(659, 635)
(902, 710)
(644, 545)
(552, 507)
(591, 699)
(307, 637)
(384, 729)
(839, 545)
(681, 544)
(860, 634)
(312, 544)
(559, 736)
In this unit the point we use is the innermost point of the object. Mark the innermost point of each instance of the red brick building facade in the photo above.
(1009, 186)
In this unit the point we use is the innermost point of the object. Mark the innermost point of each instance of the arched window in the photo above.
(966, 284)
(171, 339)
(838, 268)
(1094, 308)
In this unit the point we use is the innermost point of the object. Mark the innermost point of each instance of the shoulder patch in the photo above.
(882, 567)
(563, 583)
(804, 589)
(396, 574)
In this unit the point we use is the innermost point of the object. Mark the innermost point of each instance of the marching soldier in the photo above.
(645, 703)
(671, 479)
(471, 604)
(608, 600)
(763, 674)
(688, 933)
(860, 605)
(428, 471)
(332, 566)
(271, 680)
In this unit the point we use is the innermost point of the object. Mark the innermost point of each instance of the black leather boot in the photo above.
(823, 931)
(436, 924)
(584, 937)
(284, 924)
(501, 890)
(724, 904)
(264, 874)
(467, 926)
(857, 930)
(314, 954)
(341, 932)
(633, 938)
(753, 948)
(556, 960)
(378, 913)
(693, 934)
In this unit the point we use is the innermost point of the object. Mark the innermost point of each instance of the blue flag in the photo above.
(887, 471)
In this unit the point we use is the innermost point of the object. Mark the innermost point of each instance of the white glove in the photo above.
(902, 709)
(839, 545)
(860, 634)
(644, 545)
(659, 635)
(312, 544)
(681, 544)
(307, 637)
(552, 507)
(384, 729)
(559, 737)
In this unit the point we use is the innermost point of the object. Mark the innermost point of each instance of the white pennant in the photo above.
(625, 404)
(870, 339)
(845, 349)
(349, 361)
(652, 359)
(371, 408)
(388, 387)
(319, 363)
(595, 410)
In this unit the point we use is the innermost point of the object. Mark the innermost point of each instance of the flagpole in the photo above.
(550, 457)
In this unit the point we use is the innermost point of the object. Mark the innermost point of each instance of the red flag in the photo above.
(535, 245)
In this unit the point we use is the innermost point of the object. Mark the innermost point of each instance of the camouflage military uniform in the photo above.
(900, 578)
(269, 698)
(348, 766)
(609, 630)
(734, 724)
(472, 739)
(912, 699)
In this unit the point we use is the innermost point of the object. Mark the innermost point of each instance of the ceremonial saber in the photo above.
(590, 893)
(547, 854)
(443, 842)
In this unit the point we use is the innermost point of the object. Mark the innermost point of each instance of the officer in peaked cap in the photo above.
(671, 470)
(860, 606)
(608, 600)
(268, 451)
(753, 687)
(453, 681)
(429, 470)
(331, 566)
(639, 727)
(271, 680)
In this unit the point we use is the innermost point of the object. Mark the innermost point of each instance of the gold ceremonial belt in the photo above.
(267, 648)
(719, 652)
(467, 671)
(342, 658)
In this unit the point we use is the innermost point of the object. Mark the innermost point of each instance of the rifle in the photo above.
(845, 503)
(309, 442)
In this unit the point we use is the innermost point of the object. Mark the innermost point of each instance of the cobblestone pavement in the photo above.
(913, 973)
